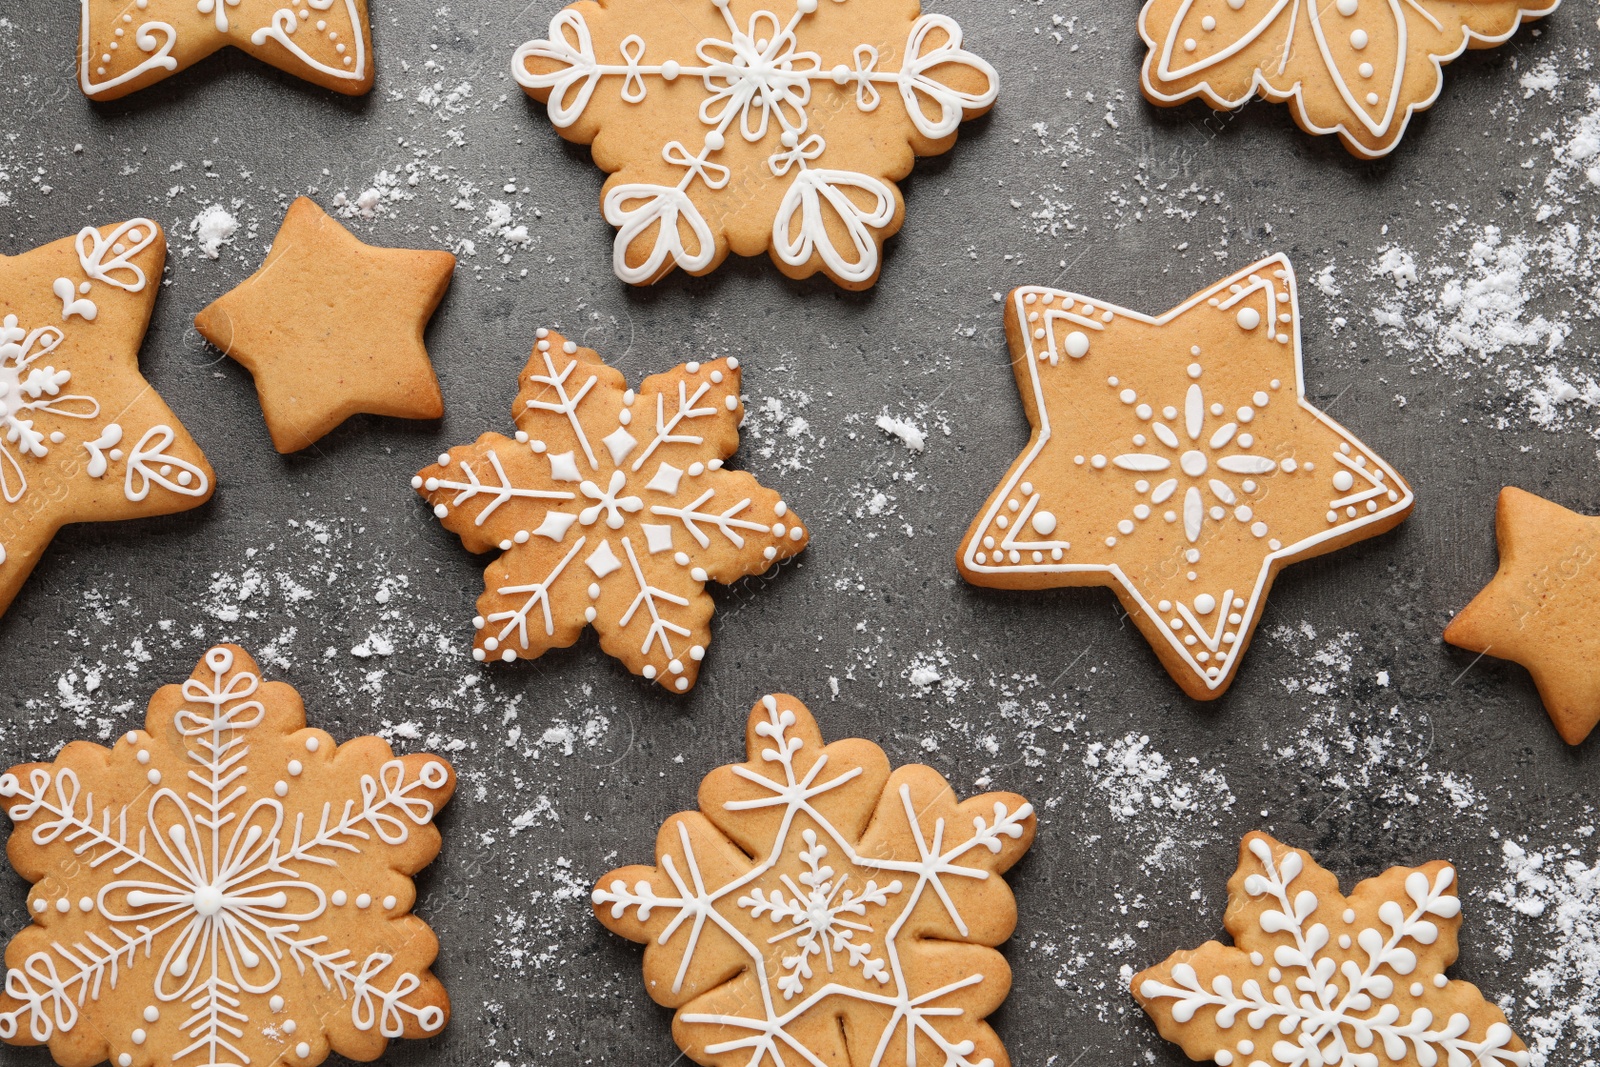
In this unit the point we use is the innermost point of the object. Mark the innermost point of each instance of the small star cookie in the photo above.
(1356, 68)
(127, 45)
(611, 508)
(1176, 460)
(1542, 607)
(225, 886)
(751, 126)
(331, 327)
(821, 909)
(1315, 977)
(83, 437)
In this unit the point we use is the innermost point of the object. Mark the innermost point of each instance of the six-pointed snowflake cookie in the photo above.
(1357, 68)
(611, 508)
(129, 44)
(1176, 460)
(225, 886)
(753, 126)
(1314, 977)
(83, 437)
(820, 909)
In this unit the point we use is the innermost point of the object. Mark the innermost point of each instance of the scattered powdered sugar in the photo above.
(1180, 802)
(909, 433)
(212, 228)
(1554, 895)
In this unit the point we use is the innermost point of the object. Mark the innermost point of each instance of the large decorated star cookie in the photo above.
(611, 508)
(224, 887)
(751, 126)
(1542, 608)
(83, 437)
(820, 909)
(1315, 977)
(1356, 68)
(330, 327)
(127, 45)
(1176, 460)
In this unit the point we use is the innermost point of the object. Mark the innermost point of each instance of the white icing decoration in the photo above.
(754, 80)
(825, 919)
(1195, 470)
(150, 462)
(1377, 114)
(110, 437)
(214, 879)
(71, 303)
(1336, 1014)
(620, 540)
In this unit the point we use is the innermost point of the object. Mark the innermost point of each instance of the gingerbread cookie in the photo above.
(1542, 607)
(225, 886)
(355, 347)
(746, 126)
(83, 437)
(1176, 460)
(820, 909)
(1357, 68)
(612, 508)
(1314, 977)
(129, 44)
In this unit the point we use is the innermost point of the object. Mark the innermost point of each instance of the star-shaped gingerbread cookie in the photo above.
(1542, 607)
(1175, 459)
(83, 437)
(127, 45)
(331, 327)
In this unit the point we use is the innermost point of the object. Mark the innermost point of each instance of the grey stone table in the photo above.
(1449, 297)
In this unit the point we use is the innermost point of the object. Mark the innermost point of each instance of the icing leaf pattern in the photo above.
(1316, 978)
(820, 909)
(1356, 68)
(817, 203)
(611, 507)
(223, 887)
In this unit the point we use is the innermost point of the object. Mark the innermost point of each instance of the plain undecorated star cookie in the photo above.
(331, 327)
(1542, 608)
(611, 508)
(1356, 68)
(225, 886)
(820, 909)
(752, 126)
(1315, 977)
(1175, 459)
(83, 437)
(127, 45)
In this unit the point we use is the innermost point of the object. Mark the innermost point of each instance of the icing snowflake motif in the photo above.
(243, 874)
(1356, 68)
(820, 196)
(1197, 420)
(906, 957)
(1316, 979)
(57, 385)
(127, 46)
(612, 508)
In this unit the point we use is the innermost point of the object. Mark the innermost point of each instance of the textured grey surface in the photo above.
(568, 764)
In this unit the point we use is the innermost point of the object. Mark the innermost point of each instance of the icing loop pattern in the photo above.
(613, 508)
(324, 40)
(209, 868)
(856, 874)
(760, 88)
(1316, 979)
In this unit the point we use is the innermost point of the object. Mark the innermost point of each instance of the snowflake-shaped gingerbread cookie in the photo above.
(820, 909)
(223, 887)
(1356, 68)
(611, 508)
(1317, 979)
(752, 126)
